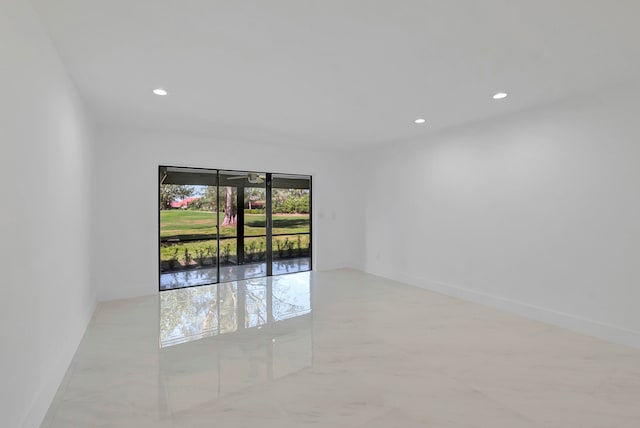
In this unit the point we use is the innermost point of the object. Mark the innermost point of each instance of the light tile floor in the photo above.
(337, 349)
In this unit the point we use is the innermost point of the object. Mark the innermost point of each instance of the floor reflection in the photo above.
(195, 313)
(256, 331)
(189, 278)
(291, 266)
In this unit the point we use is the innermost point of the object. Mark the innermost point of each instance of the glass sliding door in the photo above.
(219, 225)
(291, 223)
(242, 225)
(188, 227)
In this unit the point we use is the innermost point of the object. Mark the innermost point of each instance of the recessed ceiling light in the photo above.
(419, 121)
(500, 95)
(160, 92)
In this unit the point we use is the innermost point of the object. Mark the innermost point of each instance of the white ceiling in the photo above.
(335, 73)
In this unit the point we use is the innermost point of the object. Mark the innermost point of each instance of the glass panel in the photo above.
(242, 225)
(291, 253)
(255, 231)
(188, 227)
(291, 207)
(255, 211)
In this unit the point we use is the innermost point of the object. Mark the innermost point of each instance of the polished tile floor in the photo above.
(337, 349)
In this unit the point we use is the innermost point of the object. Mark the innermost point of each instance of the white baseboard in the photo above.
(578, 324)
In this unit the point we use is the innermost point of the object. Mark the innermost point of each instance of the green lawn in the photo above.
(193, 224)
(175, 223)
(197, 231)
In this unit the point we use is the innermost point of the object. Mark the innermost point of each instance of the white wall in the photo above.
(45, 222)
(537, 212)
(126, 213)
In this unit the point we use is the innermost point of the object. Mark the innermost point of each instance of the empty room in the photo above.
(295, 213)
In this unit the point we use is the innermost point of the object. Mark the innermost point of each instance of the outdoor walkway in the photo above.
(205, 276)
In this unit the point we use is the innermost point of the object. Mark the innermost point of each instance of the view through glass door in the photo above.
(220, 225)
(242, 199)
(291, 219)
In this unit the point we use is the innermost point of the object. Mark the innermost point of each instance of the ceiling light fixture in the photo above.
(500, 95)
(419, 121)
(160, 92)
